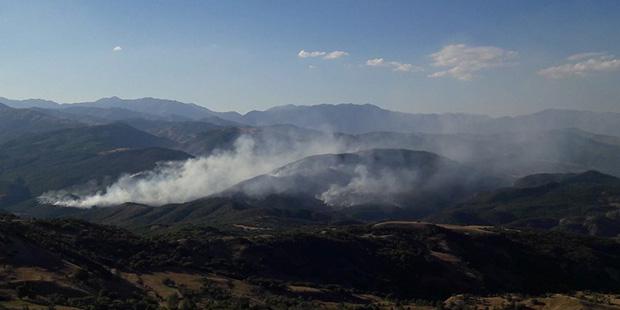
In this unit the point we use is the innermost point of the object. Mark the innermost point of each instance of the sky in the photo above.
(489, 57)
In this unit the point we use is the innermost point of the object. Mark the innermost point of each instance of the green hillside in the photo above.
(585, 203)
(60, 159)
(18, 122)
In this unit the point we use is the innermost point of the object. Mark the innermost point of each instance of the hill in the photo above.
(344, 118)
(29, 103)
(145, 107)
(604, 123)
(413, 180)
(100, 116)
(586, 203)
(511, 154)
(74, 263)
(159, 107)
(17, 122)
(552, 151)
(194, 137)
(355, 119)
(275, 212)
(59, 159)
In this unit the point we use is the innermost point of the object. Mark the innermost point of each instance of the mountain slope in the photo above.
(159, 107)
(511, 154)
(59, 159)
(414, 180)
(585, 203)
(17, 122)
(354, 119)
(30, 103)
(351, 118)
(98, 116)
(222, 212)
(372, 265)
(605, 123)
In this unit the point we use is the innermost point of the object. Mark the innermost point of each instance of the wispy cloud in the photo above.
(117, 49)
(375, 62)
(335, 55)
(305, 54)
(462, 62)
(394, 65)
(325, 55)
(586, 55)
(583, 64)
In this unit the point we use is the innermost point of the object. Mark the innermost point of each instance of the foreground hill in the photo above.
(73, 263)
(270, 213)
(59, 159)
(584, 203)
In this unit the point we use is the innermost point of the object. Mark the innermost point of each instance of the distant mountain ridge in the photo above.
(355, 119)
(345, 118)
(148, 106)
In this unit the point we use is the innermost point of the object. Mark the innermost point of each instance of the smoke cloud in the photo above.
(364, 187)
(178, 182)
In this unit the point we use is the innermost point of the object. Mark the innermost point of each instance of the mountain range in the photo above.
(150, 204)
(344, 118)
(338, 164)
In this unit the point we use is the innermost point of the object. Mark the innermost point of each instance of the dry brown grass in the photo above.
(154, 282)
(581, 301)
(471, 229)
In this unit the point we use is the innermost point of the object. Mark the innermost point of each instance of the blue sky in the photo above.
(493, 57)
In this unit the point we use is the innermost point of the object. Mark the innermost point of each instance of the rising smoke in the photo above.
(182, 181)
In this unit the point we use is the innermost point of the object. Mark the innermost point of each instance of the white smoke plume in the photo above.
(178, 182)
(368, 187)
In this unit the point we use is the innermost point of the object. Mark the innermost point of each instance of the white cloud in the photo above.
(311, 67)
(304, 54)
(325, 55)
(117, 49)
(375, 62)
(402, 67)
(581, 56)
(580, 65)
(394, 65)
(335, 55)
(462, 61)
